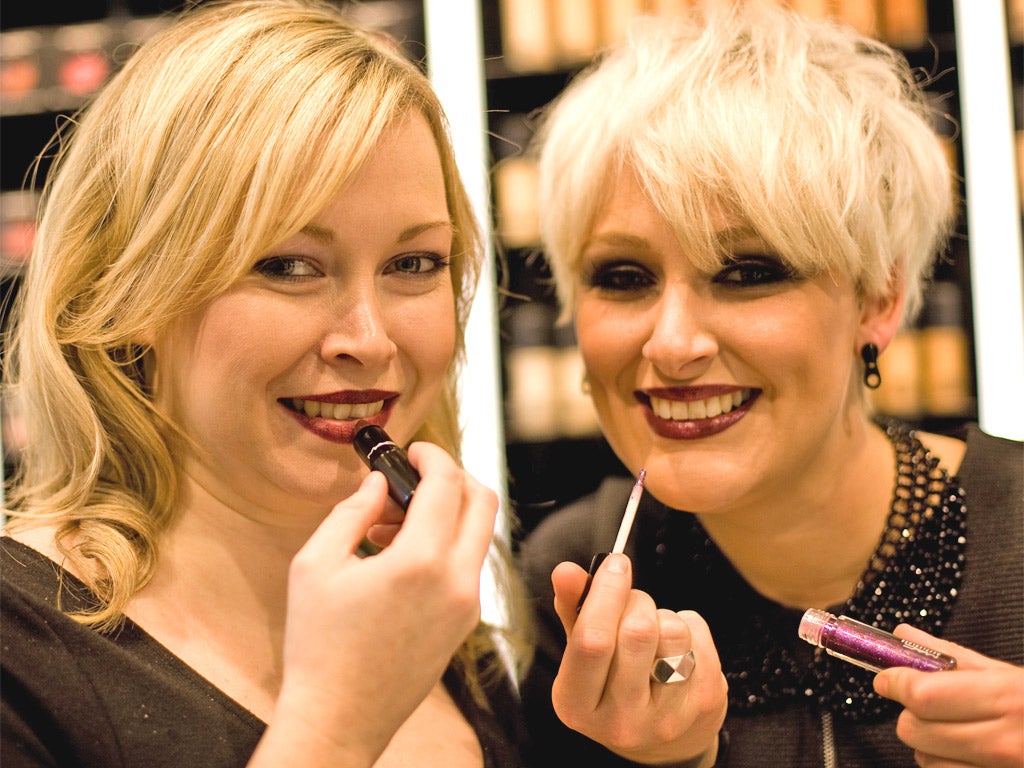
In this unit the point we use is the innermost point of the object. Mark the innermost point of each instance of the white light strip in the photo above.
(455, 65)
(993, 215)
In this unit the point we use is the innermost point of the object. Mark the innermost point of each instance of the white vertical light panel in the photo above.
(993, 214)
(455, 65)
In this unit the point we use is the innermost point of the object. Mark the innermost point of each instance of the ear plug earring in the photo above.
(872, 376)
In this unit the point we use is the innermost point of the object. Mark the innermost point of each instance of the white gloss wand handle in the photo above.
(630, 514)
(620, 540)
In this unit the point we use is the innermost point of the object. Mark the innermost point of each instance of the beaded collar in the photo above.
(913, 577)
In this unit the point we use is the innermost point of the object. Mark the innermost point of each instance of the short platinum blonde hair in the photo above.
(817, 138)
(222, 136)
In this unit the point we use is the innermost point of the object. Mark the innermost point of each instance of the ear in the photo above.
(880, 316)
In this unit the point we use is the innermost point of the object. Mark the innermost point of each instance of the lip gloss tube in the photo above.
(866, 646)
(380, 452)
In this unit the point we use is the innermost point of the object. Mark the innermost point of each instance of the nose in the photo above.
(356, 329)
(680, 344)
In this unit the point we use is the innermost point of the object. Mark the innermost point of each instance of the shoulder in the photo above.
(987, 615)
(992, 477)
(992, 456)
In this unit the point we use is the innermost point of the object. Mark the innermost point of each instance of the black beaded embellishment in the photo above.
(913, 577)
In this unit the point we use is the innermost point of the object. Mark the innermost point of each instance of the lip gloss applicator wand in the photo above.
(620, 540)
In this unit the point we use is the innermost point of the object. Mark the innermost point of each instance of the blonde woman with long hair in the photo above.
(253, 238)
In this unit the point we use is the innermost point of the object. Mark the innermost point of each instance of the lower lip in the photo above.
(696, 429)
(335, 431)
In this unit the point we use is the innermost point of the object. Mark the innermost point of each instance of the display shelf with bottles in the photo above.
(531, 53)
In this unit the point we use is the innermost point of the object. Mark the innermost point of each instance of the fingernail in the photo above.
(617, 563)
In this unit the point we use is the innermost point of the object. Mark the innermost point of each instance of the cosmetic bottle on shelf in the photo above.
(945, 357)
(900, 363)
(575, 412)
(531, 361)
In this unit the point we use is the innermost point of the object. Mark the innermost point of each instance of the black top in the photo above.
(781, 724)
(75, 697)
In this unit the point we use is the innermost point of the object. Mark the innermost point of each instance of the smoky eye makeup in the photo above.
(740, 270)
(616, 275)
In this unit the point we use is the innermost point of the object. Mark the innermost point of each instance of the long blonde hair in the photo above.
(216, 140)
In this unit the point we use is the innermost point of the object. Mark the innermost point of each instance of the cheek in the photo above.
(212, 356)
(610, 343)
(428, 339)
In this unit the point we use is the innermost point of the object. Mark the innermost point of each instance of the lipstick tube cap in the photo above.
(812, 624)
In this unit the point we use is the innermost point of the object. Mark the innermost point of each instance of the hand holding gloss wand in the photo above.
(620, 540)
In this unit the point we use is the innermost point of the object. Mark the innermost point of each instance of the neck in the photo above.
(808, 543)
(228, 573)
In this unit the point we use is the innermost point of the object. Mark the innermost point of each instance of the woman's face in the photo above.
(723, 385)
(352, 318)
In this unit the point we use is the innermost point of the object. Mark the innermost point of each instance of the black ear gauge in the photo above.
(381, 453)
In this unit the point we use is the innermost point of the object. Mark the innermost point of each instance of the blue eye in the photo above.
(753, 271)
(286, 267)
(417, 263)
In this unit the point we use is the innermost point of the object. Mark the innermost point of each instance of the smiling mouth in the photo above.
(677, 410)
(315, 409)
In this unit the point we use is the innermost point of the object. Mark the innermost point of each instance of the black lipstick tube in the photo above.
(381, 453)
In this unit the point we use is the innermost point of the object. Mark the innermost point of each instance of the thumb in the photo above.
(345, 527)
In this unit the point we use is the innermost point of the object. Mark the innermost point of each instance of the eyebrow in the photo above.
(617, 238)
(326, 235)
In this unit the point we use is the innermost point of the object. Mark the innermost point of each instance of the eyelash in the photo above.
(744, 272)
(283, 267)
(758, 270)
(618, 276)
(437, 261)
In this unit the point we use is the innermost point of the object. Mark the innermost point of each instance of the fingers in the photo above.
(965, 657)
(673, 634)
(568, 580)
(593, 635)
(451, 515)
(604, 687)
(988, 742)
(950, 696)
(346, 526)
(973, 715)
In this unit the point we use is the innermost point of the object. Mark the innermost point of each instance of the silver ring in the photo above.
(673, 669)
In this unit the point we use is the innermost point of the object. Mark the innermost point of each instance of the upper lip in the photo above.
(347, 396)
(690, 393)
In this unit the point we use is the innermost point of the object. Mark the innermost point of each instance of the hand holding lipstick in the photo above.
(425, 586)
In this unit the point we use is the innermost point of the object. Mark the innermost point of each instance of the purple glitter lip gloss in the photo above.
(866, 646)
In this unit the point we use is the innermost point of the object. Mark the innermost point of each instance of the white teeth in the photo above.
(698, 409)
(714, 406)
(337, 411)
